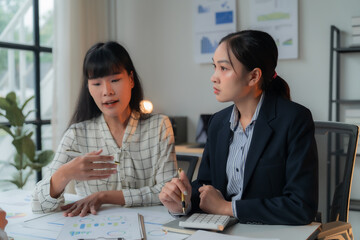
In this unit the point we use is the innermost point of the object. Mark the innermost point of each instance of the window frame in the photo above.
(37, 50)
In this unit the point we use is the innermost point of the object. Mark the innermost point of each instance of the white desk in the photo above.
(17, 205)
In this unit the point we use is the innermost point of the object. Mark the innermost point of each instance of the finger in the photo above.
(204, 187)
(171, 192)
(98, 177)
(93, 210)
(184, 179)
(180, 185)
(68, 211)
(99, 159)
(75, 212)
(102, 165)
(84, 211)
(95, 152)
(102, 172)
(67, 206)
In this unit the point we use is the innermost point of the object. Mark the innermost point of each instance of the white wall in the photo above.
(158, 35)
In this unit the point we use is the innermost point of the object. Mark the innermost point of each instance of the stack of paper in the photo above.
(355, 31)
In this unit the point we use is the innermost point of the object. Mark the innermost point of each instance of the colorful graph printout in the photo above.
(119, 225)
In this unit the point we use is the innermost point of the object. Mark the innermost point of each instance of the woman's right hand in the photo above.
(91, 166)
(170, 194)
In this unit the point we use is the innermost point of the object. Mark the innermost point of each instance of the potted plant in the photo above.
(26, 158)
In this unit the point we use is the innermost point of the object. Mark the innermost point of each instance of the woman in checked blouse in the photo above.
(115, 153)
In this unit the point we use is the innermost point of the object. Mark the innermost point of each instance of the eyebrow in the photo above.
(114, 78)
(221, 61)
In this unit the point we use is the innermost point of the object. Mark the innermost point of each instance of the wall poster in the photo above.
(213, 19)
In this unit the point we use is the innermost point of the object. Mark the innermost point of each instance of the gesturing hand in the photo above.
(91, 166)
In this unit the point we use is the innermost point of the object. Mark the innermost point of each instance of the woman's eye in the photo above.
(115, 80)
(213, 65)
(223, 68)
(96, 84)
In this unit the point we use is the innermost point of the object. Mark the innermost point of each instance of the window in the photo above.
(26, 37)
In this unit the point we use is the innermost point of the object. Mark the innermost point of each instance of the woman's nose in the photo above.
(214, 78)
(108, 89)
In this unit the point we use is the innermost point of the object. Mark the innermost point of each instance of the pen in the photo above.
(182, 195)
(74, 154)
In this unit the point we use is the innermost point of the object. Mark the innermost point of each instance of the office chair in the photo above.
(337, 145)
(188, 164)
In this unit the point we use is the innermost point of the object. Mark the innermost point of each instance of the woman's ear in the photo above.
(132, 83)
(255, 76)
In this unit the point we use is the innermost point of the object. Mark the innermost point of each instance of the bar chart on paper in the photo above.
(124, 225)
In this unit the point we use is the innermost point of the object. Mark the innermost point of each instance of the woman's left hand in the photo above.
(212, 201)
(90, 204)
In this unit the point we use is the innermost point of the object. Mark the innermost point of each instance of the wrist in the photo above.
(228, 209)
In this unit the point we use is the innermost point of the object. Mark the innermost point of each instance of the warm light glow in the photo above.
(146, 106)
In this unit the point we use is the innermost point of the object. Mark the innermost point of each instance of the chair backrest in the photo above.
(187, 163)
(337, 145)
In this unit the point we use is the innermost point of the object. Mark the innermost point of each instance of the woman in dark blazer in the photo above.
(260, 160)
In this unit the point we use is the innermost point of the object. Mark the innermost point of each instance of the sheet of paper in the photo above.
(20, 232)
(111, 225)
(205, 235)
(153, 225)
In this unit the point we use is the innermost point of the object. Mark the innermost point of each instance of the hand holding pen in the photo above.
(176, 194)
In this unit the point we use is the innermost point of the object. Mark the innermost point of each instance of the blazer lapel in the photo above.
(222, 150)
(261, 136)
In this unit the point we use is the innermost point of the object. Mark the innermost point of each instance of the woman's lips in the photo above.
(110, 103)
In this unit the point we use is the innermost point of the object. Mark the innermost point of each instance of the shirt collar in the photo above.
(235, 114)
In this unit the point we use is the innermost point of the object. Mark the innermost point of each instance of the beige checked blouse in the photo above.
(147, 160)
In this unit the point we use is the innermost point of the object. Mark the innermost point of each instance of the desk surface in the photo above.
(19, 211)
(188, 150)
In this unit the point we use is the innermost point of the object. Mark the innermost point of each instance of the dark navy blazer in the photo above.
(281, 169)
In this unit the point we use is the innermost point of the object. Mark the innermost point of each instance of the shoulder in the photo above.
(222, 116)
(154, 122)
(154, 119)
(283, 114)
(279, 107)
(289, 108)
(91, 124)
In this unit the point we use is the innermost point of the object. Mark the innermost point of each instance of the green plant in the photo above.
(26, 158)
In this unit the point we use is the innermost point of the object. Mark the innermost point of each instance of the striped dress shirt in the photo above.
(147, 160)
(238, 151)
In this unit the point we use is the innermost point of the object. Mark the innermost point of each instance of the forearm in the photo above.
(58, 182)
(112, 197)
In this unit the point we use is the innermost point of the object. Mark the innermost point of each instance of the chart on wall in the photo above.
(213, 19)
(279, 18)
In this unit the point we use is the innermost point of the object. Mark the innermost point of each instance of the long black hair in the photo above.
(101, 60)
(257, 49)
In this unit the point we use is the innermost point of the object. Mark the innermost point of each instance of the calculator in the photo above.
(206, 221)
